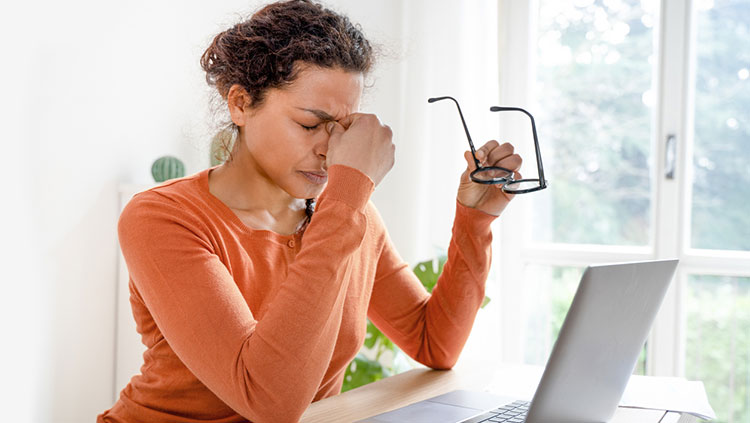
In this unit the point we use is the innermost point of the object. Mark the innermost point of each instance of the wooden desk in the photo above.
(419, 384)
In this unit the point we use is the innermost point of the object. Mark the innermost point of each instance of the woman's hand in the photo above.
(490, 199)
(362, 142)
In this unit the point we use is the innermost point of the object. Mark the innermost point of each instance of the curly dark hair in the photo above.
(261, 53)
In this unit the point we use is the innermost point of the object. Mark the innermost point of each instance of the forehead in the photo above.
(331, 90)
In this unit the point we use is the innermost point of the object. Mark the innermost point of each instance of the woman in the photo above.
(252, 304)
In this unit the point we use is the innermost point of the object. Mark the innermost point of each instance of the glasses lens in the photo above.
(522, 185)
(491, 175)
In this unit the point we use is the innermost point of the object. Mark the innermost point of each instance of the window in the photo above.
(641, 109)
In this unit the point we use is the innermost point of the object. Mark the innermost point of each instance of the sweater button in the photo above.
(290, 243)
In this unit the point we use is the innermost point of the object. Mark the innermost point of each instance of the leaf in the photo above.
(372, 335)
(362, 371)
(427, 274)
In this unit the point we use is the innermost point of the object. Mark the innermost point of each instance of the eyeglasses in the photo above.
(497, 174)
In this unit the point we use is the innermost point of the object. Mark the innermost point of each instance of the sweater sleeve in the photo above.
(267, 370)
(433, 329)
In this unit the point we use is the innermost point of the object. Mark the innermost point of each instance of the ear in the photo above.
(238, 101)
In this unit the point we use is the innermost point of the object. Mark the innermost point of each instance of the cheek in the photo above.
(277, 151)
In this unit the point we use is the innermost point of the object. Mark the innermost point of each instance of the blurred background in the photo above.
(641, 108)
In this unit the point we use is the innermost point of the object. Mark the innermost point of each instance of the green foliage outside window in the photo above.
(594, 117)
(718, 342)
(595, 82)
(721, 177)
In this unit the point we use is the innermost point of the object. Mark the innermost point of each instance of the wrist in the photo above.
(348, 185)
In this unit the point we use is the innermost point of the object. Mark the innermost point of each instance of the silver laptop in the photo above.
(590, 364)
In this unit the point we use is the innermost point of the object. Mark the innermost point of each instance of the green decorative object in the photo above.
(362, 370)
(167, 167)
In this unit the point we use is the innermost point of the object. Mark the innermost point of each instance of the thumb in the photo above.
(470, 164)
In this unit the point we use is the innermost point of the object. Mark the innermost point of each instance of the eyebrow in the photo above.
(319, 114)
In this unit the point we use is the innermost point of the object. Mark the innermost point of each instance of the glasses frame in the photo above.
(507, 180)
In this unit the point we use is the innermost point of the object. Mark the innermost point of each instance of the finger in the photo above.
(470, 163)
(348, 120)
(512, 162)
(335, 129)
(470, 167)
(500, 152)
(483, 152)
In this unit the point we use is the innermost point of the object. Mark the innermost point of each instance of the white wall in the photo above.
(94, 91)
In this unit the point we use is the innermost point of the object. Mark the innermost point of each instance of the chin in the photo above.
(315, 192)
(307, 191)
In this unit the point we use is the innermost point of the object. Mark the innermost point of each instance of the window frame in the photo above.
(674, 82)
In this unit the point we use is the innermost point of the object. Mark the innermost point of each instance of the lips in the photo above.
(315, 177)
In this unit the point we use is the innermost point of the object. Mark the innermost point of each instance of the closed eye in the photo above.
(309, 128)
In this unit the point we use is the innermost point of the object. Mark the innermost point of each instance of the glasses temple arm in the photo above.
(466, 129)
(539, 167)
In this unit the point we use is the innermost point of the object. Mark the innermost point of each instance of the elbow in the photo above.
(436, 358)
(273, 412)
(445, 363)
(259, 398)
(260, 406)
(274, 416)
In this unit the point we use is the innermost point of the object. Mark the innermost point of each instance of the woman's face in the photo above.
(286, 136)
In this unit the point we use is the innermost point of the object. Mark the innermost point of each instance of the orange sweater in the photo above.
(244, 324)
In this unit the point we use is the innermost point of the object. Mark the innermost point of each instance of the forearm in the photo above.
(459, 293)
(433, 329)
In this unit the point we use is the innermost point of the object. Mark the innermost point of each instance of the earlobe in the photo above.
(238, 101)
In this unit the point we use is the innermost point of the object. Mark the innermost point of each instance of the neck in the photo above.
(243, 186)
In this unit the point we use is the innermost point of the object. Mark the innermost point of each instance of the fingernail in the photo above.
(329, 127)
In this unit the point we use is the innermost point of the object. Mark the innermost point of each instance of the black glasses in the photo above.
(498, 174)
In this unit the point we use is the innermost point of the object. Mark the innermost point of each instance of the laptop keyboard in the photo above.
(514, 412)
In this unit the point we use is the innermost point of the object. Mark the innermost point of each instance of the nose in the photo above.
(320, 148)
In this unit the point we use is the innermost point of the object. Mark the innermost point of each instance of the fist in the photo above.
(490, 199)
(361, 141)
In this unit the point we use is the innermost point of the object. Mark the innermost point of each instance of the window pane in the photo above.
(549, 292)
(721, 160)
(593, 104)
(718, 342)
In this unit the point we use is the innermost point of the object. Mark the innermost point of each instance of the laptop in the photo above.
(590, 364)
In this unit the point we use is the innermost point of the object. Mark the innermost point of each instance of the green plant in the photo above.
(363, 370)
(167, 167)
